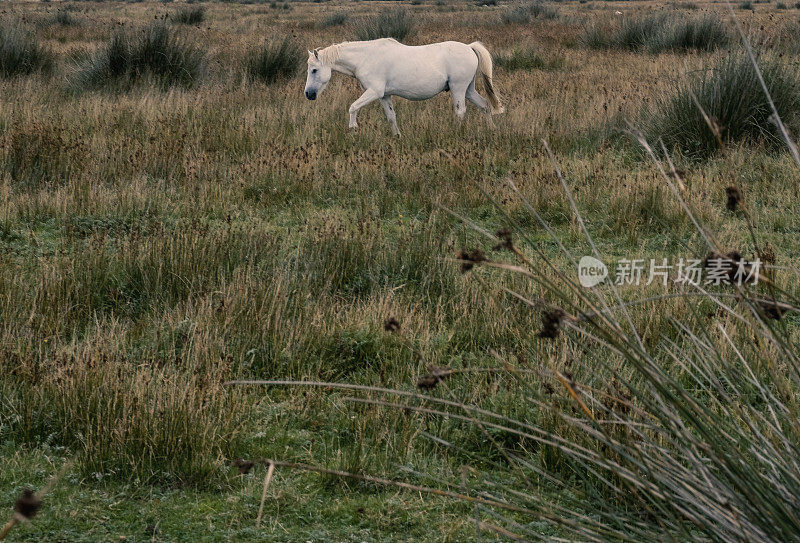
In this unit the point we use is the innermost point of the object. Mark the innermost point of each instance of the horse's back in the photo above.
(454, 58)
(440, 50)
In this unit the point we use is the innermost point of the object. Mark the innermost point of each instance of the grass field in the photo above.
(164, 232)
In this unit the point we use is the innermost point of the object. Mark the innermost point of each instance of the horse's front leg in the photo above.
(368, 96)
(386, 102)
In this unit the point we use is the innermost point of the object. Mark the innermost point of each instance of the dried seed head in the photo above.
(28, 504)
(678, 174)
(768, 254)
(435, 375)
(427, 382)
(551, 323)
(440, 371)
(391, 325)
(505, 240)
(244, 465)
(771, 309)
(616, 398)
(734, 197)
(470, 258)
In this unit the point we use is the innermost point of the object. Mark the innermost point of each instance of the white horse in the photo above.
(387, 68)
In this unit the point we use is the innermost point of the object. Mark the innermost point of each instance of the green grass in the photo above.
(89, 509)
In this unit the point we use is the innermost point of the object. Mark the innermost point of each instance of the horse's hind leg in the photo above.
(477, 99)
(480, 101)
(386, 102)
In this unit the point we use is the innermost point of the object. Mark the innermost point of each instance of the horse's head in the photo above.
(318, 75)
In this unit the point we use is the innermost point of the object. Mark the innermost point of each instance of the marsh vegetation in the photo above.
(174, 215)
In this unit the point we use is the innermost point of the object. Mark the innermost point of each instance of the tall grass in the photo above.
(525, 13)
(20, 52)
(275, 61)
(190, 15)
(334, 19)
(730, 94)
(130, 406)
(526, 59)
(120, 422)
(155, 54)
(397, 24)
(660, 32)
(64, 18)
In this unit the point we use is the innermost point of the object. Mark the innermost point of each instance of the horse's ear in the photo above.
(316, 54)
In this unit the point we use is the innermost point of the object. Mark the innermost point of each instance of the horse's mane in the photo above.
(330, 55)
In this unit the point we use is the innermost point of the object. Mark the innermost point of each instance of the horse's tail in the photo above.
(485, 69)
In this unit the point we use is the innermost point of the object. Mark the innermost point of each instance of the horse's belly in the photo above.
(418, 88)
(415, 95)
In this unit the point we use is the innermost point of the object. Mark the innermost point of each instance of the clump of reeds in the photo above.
(334, 19)
(725, 103)
(527, 12)
(397, 24)
(275, 61)
(21, 53)
(190, 15)
(526, 59)
(659, 32)
(155, 54)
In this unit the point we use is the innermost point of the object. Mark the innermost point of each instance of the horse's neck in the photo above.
(347, 58)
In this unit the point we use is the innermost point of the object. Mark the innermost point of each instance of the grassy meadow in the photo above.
(175, 215)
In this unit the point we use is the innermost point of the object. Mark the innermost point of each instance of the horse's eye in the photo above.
(314, 71)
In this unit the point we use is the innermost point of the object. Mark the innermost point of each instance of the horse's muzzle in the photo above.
(311, 95)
